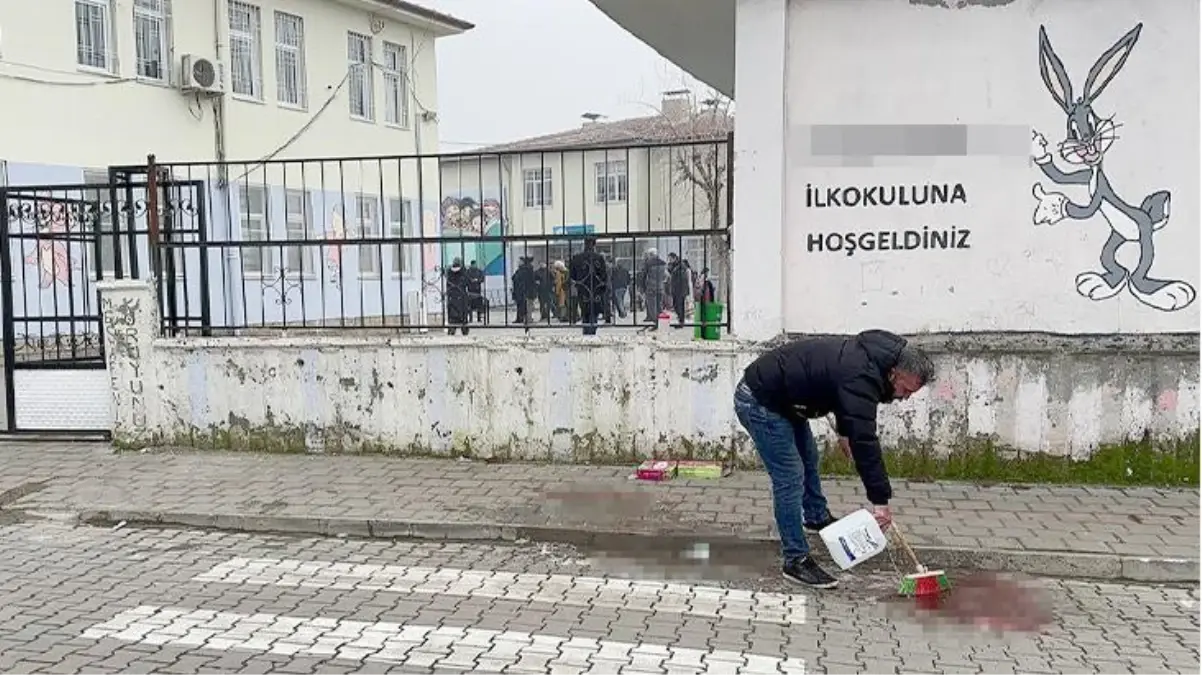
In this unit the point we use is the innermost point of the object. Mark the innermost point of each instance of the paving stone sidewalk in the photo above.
(1135, 533)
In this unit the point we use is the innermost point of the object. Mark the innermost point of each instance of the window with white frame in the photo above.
(400, 224)
(94, 35)
(358, 56)
(290, 80)
(537, 183)
(253, 199)
(152, 39)
(611, 181)
(102, 223)
(396, 85)
(696, 252)
(246, 55)
(298, 226)
(367, 226)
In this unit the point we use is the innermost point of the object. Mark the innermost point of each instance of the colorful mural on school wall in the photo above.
(54, 267)
(54, 257)
(50, 256)
(467, 217)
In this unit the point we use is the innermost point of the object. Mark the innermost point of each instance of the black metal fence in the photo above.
(440, 242)
(56, 242)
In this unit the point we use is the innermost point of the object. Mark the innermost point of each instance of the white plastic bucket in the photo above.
(853, 539)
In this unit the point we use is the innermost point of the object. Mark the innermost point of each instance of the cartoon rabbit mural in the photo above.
(1088, 138)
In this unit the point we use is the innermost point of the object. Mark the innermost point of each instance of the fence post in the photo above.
(6, 300)
(130, 322)
(152, 215)
(154, 239)
(730, 181)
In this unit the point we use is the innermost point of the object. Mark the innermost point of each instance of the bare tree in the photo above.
(700, 162)
(703, 165)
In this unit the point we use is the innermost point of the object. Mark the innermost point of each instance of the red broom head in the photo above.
(926, 586)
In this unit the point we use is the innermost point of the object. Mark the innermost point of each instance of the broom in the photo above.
(924, 583)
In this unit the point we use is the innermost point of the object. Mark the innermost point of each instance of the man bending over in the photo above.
(810, 378)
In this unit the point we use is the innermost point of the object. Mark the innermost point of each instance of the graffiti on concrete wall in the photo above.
(1088, 137)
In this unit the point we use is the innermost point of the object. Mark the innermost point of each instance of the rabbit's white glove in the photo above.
(1051, 207)
(1039, 148)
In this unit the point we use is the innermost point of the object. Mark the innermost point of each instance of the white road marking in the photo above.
(560, 589)
(463, 649)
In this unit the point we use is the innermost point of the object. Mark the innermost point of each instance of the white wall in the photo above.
(878, 62)
(603, 399)
(95, 120)
(657, 197)
(573, 189)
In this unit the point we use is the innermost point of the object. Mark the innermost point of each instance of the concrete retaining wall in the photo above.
(597, 400)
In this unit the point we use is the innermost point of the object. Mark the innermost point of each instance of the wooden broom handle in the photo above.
(906, 547)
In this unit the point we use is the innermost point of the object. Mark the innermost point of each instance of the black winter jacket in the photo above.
(845, 376)
(589, 276)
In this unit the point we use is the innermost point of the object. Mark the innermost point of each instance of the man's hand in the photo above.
(845, 446)
(883, 515)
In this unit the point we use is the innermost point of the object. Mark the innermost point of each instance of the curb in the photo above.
(1093, 566)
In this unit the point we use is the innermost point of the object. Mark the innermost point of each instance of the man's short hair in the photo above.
(916, 362)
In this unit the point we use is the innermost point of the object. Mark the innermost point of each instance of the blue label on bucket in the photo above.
(846, 549)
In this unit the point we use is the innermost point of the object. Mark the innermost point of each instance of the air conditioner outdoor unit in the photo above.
(198, 75)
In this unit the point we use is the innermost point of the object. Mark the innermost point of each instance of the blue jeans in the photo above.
(790, 456)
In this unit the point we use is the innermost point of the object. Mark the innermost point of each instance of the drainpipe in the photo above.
(423, 311)
(225, 232)
(223, 178)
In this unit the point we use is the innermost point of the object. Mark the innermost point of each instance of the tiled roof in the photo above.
(701, 126)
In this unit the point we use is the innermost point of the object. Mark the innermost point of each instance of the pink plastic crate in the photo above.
(655, 469)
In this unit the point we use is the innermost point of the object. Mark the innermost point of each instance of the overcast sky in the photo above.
(532, 67)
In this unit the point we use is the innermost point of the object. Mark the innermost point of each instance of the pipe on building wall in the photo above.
(423, 310)
(219, 146)
(218, 106)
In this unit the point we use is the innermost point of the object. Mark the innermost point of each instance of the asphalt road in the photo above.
(80, 599)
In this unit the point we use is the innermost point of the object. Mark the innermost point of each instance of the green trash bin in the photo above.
(709, 322)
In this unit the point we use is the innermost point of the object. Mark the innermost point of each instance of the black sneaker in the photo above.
(807, 572)
(815, 527)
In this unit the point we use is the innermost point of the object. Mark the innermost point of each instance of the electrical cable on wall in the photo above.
(60, 83)
(305, 127)
(408, 81)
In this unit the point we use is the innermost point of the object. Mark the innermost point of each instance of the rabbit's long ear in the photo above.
(1109, 63)
(1053, 73)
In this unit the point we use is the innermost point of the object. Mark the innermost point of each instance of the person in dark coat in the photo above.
(704, 292)
(590, 281)
(544, 287)
(619, 284)
(848, 377)
(652, 276)
(475, 291)
(680, 286)
(459, 305)
(524, 288)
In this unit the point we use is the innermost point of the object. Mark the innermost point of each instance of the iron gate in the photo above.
(56, 243)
